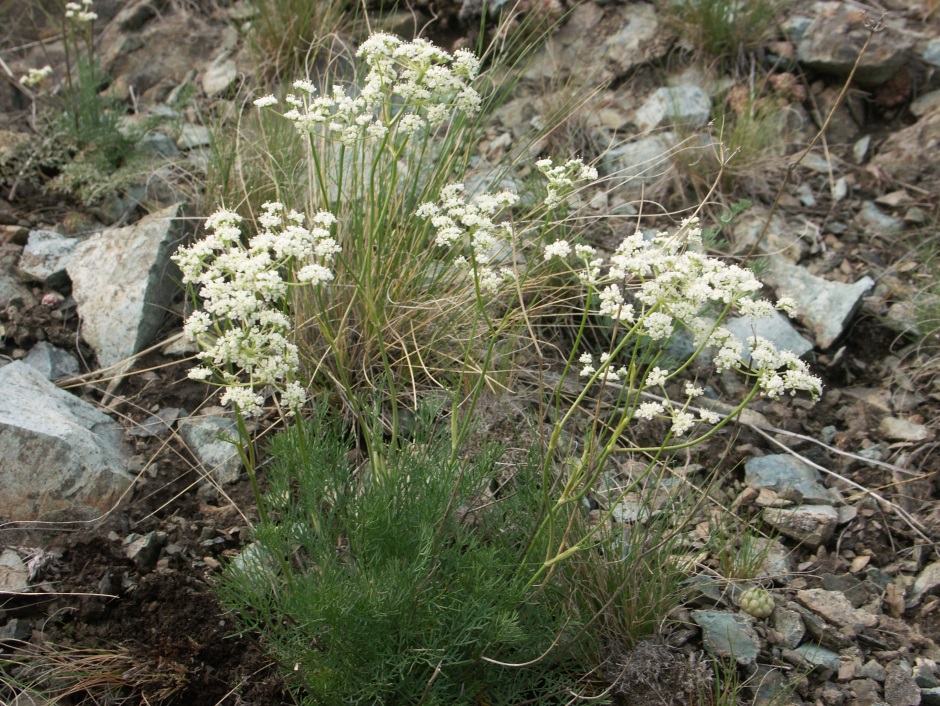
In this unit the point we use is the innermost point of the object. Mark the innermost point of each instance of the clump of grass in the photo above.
(725, 30)
(741, 153)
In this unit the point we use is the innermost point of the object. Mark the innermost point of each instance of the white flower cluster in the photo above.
(653, 285)
(682, 419)
(80, 12)
(562, 178)
(36, 76)
(242, 288)
(410, 86)
(463, 223)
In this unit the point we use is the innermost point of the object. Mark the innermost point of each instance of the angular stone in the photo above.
(634, 164)
(790, 626)
(908, 154)
(159, 424)
(728, 635)
(53, 363)
(776, 328)
(207, 438)
(834, 40)
(14, 576)
(780, 238)
(144, 550)
(823, 306)
(674, 105)
(219, 75)
(45, 257)
(123, 281)
(900, 688)
(819, 656)
(897, 429)
(788, 477)
(927, 581)
(192, 136)
(601, 43)
(810, 524)
(59, 456)
(13, 292)
(836, 608)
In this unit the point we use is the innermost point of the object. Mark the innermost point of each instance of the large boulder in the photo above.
(123, 282)
(60, 458)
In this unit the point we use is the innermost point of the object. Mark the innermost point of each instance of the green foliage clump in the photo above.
(403, 586)
(723, 29)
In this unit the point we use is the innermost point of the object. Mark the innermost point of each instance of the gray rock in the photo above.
(159, 424)
(926, 582)
(123, 282)
(776, 563)
(925, 104)
(776, 328)
(728, 635)
(192, 136)
(900, 688)
(836, 608)
(931, 52)
(875, 221)
(53, 363)
(897, 429)
(908, 154)
(789, 477)
(16, 629)
(872, 670)
(59, 456)
(930, 696)
(925, 676)
(790, 626)
(823, 306)
(603, 43)
(832, 43)
(219, 75)
(14, 576)
(207, 439)
(634, 164)
(675, 105)
(819, 656)
(158, 145)
(13, 292)
(45, 257)
(138, 13)
(144, 550)
(810, 524)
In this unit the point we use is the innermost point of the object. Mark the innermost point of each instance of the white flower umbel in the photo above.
(36, 76)
(562, 178)
(242, 328)
(409, 87)
(471, 226)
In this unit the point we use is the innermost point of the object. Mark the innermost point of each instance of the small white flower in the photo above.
(709, 417)
(682, 422)
(656, 377)
(648, 410)
(560, 248)
(693, 391)
(266, 101)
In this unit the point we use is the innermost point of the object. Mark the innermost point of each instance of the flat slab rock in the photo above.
(789, 477)
(810, 524)
(836, 608)
(59, 456)
(728, 635)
